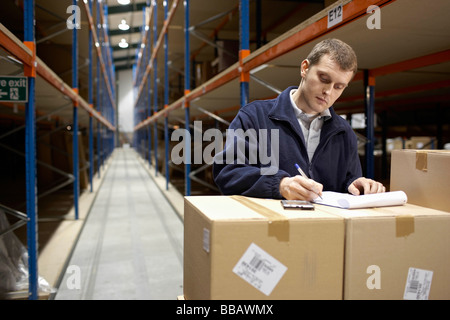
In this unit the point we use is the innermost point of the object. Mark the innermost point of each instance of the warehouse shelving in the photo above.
(404, 64)
(55, 104)
(404, 70)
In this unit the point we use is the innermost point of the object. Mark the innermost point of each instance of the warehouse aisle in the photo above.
(131, 246)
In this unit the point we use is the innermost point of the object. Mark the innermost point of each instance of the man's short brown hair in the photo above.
(339, 51)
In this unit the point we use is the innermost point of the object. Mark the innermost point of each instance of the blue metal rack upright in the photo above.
(30, 157)
(244, 39)
(187, 90)
(76, 173)
(369, 101)
(155, 82)
(91, 104)
(148, 78)
(166, 96)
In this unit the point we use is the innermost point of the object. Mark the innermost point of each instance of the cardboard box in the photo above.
(385, 246)
(424, 175)
(422, 142)
(246, 248)
(394, 144)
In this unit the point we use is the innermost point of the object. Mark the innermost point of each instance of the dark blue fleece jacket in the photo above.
(335, 163)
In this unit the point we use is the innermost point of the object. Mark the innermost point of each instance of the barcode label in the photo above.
(260, 269)
(418, 284)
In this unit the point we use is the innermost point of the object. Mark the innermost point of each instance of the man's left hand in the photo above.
(365, 186)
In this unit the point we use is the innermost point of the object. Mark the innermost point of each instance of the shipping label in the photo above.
(260, 269)
(418, 284)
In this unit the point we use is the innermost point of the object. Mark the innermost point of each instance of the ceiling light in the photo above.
(123, 43)
(123, 25)
(123, 2)
(259, 68)
(14, 59)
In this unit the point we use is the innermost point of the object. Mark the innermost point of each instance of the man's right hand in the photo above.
(300, 188)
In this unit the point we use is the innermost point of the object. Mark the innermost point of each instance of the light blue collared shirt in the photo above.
(311, 126)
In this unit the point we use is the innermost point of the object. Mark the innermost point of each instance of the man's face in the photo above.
(322, 85)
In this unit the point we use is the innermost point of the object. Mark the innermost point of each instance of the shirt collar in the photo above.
(325, 115)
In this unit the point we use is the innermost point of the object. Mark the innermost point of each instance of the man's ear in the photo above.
(304, 68)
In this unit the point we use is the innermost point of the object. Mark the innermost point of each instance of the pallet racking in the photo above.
(404, 67)
(48, 97)
(403, 64)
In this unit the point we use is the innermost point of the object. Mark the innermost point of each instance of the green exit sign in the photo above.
(14, 89)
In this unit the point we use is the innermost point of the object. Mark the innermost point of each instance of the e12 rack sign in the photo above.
(13, 89)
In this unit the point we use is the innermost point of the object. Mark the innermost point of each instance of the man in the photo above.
(309, 134)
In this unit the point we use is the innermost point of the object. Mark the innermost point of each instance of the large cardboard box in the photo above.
(247, 248)
(395, 253)
(424, 175)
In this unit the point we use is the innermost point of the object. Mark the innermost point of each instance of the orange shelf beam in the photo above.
(14, 46)
(352, 10)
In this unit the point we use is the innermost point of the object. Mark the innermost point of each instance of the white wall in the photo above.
(126, 100)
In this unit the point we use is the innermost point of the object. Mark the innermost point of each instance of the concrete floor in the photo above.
(131, 246)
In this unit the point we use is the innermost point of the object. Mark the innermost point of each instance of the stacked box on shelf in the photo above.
(424, 175)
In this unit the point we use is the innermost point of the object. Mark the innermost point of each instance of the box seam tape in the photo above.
(422, 161)
(404, 225)
(278, 225)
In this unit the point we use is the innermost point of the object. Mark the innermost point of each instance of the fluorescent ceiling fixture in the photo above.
(123, 25)
(14, 59)
(123, 43)
(123, 2)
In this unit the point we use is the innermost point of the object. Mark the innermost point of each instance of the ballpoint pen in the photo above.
(303, 174)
